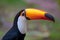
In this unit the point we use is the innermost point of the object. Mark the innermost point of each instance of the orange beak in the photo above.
(35, 14)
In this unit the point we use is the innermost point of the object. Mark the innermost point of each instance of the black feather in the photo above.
(14, 33)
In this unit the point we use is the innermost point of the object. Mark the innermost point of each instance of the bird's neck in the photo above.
(22, 24)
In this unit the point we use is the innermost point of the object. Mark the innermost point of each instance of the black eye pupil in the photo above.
(23, 14)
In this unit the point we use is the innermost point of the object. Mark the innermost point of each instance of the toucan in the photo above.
(19, 28)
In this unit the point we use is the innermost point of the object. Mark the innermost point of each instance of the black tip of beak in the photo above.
(50, 17)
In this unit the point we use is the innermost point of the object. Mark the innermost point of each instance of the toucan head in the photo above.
(36, 14)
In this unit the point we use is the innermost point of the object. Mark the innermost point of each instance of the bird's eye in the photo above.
(23, 13)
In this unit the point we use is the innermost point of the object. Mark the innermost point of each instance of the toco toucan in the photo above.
(19, 28)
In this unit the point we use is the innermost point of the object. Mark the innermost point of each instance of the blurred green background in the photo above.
(9, 8)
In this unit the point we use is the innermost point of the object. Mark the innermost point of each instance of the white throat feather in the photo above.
(22, 24)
